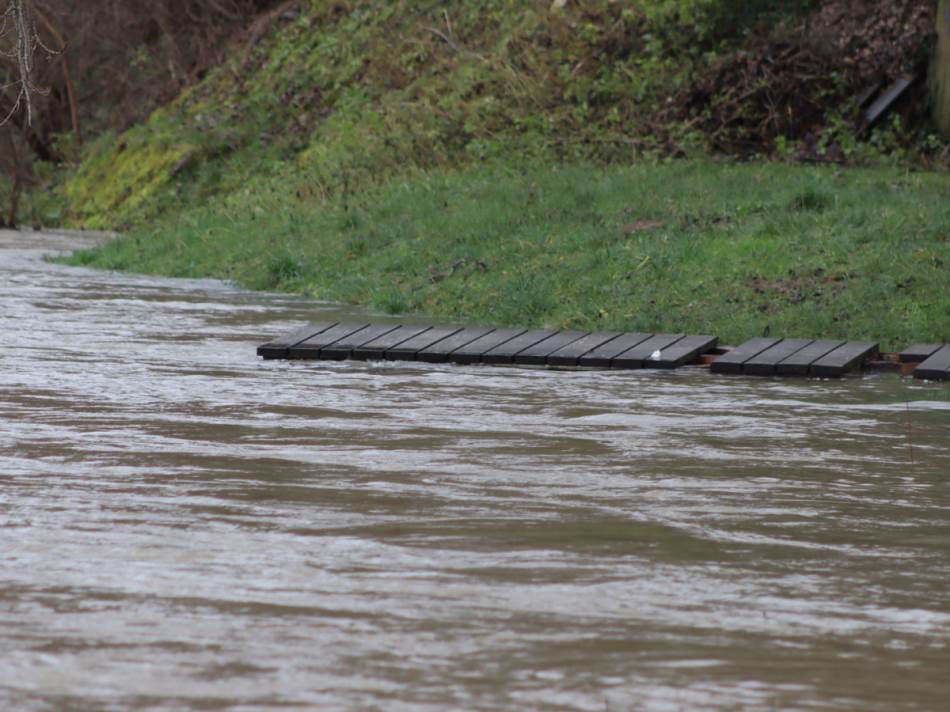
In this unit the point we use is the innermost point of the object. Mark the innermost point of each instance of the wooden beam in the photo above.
(937, 367)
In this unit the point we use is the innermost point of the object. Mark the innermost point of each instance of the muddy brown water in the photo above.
(185, 526)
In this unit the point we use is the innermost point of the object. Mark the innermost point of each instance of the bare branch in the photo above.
(19, 29)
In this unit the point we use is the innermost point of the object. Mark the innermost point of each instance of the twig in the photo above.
(444, 37)
(449, 37)
(18, 20)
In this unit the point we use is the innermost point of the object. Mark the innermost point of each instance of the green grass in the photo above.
(728, 249)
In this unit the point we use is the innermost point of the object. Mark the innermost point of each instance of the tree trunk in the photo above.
(14, 180)
(941, 70)
(67, 79)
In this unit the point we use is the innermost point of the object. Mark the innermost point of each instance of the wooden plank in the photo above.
(601, 356)
(473, 352)
(799, 362)
(888, 97)
(407, 350)
(343, 349)
(686, 350)
(766, 362)
(310, 348)
(937, 367)
(639, 354)
(505, 353)
(537, 355)
(278, 347)
(439, 351)
(568, 355)
(850, 355)
(732, 362)
(918, 353)
(376, 349)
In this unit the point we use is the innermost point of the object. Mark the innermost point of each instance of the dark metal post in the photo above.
(940, 80)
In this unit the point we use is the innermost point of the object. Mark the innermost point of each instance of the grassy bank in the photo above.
(407, 156)
(728, 249)
(329, 98)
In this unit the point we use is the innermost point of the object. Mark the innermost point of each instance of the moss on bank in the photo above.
(734, 250)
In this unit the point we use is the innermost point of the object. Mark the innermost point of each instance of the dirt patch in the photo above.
(641, 225)
(796, 289)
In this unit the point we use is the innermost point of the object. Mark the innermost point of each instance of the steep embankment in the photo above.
(450, 159)
(326, 98)
(333, 96)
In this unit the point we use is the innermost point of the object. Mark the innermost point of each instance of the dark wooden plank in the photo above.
(601, 356)
(568, 355)
(686, 350)
(439, 351)
(343, 349)
(937, 367)
(766, 362)
(473, 352)
(376, 349)
(799, 362)
(732, 362)
(537, 355)
(918, 353)
(278, 347)
(635, 357)
(310, 348)
(505, 353)
(850, 355)
(407, 350)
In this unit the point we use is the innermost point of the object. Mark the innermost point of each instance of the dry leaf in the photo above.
(641, 225)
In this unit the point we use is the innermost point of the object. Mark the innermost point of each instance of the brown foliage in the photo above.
(111, 62)
(786, 84)
(124, 57)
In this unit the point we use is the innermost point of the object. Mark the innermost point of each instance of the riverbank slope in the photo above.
(552, 164)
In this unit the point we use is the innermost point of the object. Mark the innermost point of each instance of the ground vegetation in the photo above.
(264, 166)
(333, 96)
(736, 250)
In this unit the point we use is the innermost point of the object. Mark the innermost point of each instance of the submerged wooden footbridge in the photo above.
(338, 341)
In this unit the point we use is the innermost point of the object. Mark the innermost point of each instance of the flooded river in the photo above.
(185, 526)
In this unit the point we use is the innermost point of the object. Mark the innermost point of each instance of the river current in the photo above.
(184, 526)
